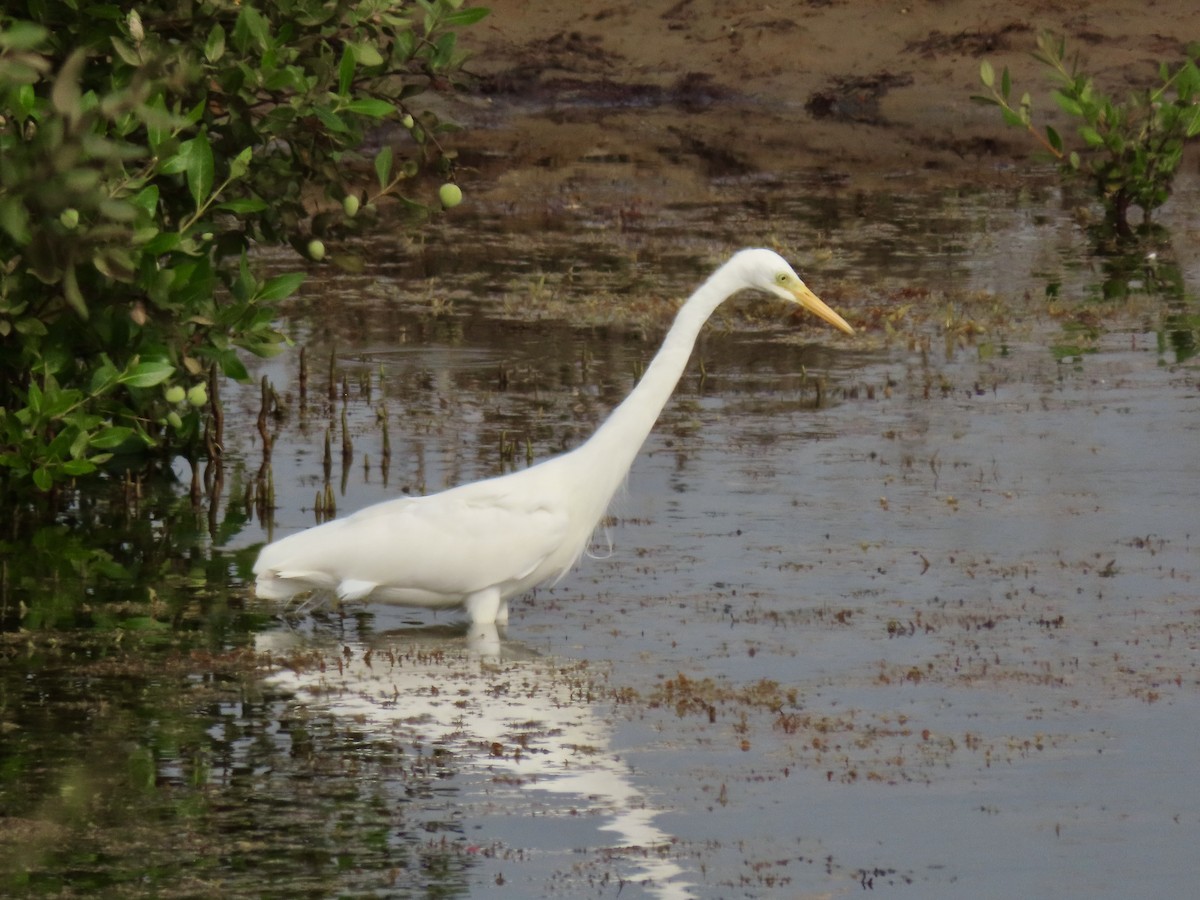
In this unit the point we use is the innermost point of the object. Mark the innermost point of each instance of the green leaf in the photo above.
(241, 163)
(112, 437)
(1005, 83)
(1091, 136)
(158, 127)
(200, 167)
(21, 35)
(74, 467)
(383, 167)
(346, 72)
(280, 286)
(42, 478)
(1012, 118)
(376, 109)
(266, 348)
(196, 113)
(14, 218)
(286, 80)
(80, 444)
(103, 377)
(114, 262)
(443, 51)
(232, 366)
(26, 99)
(31, 327)
(147, 199)
(214, 47)
(1192, 119)
(127, 53)
(163, 242)
(244, 285)
(1068, 104)
(366, 54)
(148, 374)
(330, 120)
(176, 162)
(987, 74)
(251, 31)
(118, 210)
(466, 16)
(406, 45)
(33, 398)
(66, 96)
(72, 294)
(1054, 139)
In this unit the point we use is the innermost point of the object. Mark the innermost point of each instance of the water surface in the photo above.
(912, 611)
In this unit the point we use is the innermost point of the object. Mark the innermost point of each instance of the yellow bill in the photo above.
(819, 308)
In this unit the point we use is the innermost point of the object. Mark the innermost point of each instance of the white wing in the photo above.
(435, 549)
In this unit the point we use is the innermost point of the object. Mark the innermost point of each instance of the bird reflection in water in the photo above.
(522, 722)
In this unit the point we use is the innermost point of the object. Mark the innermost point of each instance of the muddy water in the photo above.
(913, 611)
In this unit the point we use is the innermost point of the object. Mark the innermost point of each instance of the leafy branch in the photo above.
(1130, 151)
(143, 154)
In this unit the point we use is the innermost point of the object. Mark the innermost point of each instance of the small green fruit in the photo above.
(175, 394)
(316, 250)
(450, 195)
(197, 394)
(408, 121)
(350, 206)
(69, 217)
(174, 420)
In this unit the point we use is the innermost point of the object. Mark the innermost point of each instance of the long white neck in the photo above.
(605, 458)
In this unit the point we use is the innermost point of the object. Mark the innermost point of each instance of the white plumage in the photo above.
(477, 545)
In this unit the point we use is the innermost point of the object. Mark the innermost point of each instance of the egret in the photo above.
(473, 547)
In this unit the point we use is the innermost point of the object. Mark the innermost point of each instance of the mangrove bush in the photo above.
(1129, 151)
(143, 151)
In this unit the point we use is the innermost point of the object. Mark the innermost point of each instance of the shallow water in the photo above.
(915, 610)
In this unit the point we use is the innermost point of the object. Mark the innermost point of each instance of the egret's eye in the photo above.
(782, 278)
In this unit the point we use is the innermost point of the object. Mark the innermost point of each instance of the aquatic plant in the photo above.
(142, 154)
(1130, 150)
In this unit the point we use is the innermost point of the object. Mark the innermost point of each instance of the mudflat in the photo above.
(852, 93)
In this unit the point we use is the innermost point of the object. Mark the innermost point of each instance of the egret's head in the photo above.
(770, 272)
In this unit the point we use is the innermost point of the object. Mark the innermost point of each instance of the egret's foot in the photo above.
(484, 641)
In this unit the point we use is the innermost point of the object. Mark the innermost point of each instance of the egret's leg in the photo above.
(502, 613)
(483, 606)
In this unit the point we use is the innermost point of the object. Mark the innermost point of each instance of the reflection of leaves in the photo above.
(1181, 334)
(1064, 352)
(52, 571)
(114, 565)
(236, 518)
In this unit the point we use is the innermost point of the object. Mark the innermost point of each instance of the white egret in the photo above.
(477, 545)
